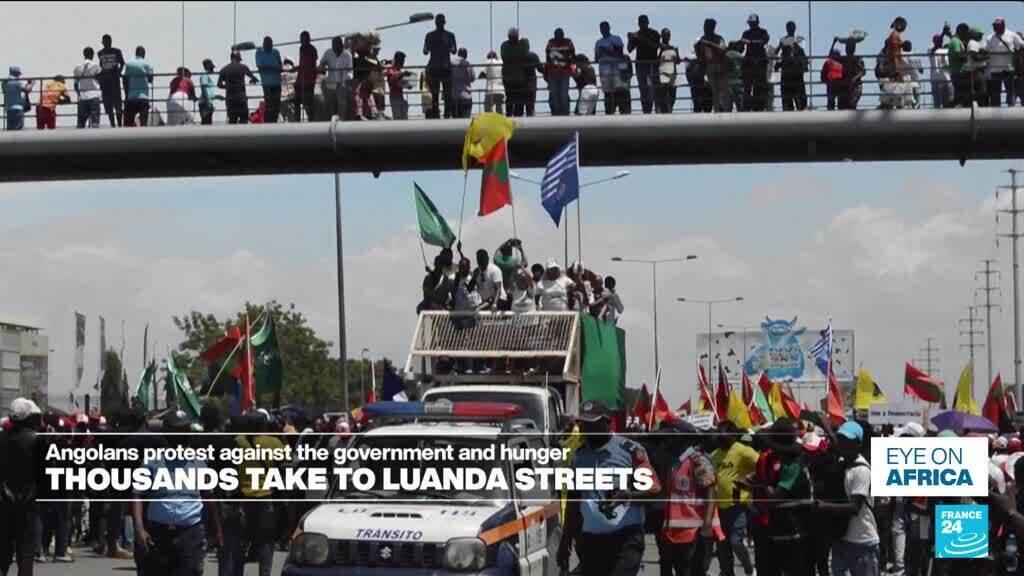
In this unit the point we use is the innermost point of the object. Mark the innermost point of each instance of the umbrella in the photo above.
(960, 421)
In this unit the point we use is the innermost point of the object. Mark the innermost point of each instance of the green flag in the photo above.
(145, 383)
(433, 228)
(762, 404)
(604, 362)
(182, 387)
(266, 358)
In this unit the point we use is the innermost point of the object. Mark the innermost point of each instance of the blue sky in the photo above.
(888, 249)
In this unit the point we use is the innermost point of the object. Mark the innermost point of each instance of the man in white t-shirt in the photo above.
(87, 87)
(856, 553)
(1001, 46)
(488, 281)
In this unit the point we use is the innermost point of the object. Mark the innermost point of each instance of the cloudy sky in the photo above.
(887, 249)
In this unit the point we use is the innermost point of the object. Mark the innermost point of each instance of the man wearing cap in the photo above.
(22, 457)
(1002, 45)
(755, 65)
(607, 528)
(171, 533)
(16, 93)
(691, 513)
(856, 552)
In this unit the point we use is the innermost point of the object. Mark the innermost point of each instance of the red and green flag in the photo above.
(920, 385)
(495, 191)
(995, 401)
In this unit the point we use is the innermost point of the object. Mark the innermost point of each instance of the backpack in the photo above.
(837, 493)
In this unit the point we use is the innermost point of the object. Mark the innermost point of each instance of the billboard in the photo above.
(780, 348)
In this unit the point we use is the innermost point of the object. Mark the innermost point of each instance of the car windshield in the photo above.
(395, 469)
(532, 404)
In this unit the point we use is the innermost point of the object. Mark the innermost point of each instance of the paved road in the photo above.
(89, 564)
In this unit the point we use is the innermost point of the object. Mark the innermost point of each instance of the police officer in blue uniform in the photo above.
(607, 528)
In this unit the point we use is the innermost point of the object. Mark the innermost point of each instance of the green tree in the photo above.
(111, 389)
(310, 372)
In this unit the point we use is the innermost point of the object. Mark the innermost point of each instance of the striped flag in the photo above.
(561, 183)
(822, 350)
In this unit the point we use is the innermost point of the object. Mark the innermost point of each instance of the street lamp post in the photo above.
(579, 222)
(709, 304)
(654, 289)
(362, 376)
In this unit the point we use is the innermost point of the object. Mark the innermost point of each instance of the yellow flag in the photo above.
(485, 130)
(965, 392)
(775, 401)
(868, 392)
(738, 413)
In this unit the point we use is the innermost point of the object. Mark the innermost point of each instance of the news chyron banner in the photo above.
(948, 468)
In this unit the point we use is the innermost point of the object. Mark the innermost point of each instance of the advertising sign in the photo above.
(780, 348)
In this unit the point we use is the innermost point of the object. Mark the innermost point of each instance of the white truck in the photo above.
(531, 360)
(498, 531)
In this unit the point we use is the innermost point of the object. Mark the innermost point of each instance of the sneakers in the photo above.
(41, 559)
(120, 553)
(64, 559)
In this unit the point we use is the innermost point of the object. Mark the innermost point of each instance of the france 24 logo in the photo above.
(961, 531)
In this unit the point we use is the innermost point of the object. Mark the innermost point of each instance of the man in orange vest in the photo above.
(691, 513)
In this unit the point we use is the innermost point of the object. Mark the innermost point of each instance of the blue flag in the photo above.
(822, 350)
(561, 183)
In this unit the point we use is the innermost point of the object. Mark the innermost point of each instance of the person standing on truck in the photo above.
(607, 528)
(489, 282)
(510, 258)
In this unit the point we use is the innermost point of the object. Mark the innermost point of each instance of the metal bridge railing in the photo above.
(872, 92)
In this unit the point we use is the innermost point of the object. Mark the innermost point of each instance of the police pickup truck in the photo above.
(425, 532)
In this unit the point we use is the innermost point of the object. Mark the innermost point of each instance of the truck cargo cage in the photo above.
(538, 345)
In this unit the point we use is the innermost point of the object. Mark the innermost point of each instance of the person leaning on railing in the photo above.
(16, 101)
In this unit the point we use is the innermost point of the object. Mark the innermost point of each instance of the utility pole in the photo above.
(986, 274)
(969, 323)
(1013, 236)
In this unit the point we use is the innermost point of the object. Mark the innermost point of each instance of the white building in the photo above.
(24, 363)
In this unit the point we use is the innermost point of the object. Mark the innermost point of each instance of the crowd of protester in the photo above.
(791, 498)
(352, 80)
(507, 282)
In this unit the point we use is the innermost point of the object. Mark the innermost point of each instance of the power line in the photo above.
(986, 274)
(930, 359)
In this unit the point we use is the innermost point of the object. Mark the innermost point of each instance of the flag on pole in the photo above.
(995, 402)
(79, 348)
(738, 413)
(495, 190)
(722, 395)
(223, 346)
(182, 387)
(434, 230)
(707, 402)
(963, 398)
(266, 358)
(834, 401)
(1011, 401)
(247, 398)
(822, 350)
(756, 417)
(686, 407)
(920, 385)
(761, 407)
(661, 412)
(145, 384)
(484, 133)
(765, 384)
(868, 392)
(561, 183)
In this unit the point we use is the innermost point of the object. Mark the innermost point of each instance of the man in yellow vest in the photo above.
(691, 513)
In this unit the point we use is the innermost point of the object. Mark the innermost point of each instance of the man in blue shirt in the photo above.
(172, 533)
(608, 53)
(138, 78)
(268, 62)
(207, 92)
(607, 527)
(16, 92)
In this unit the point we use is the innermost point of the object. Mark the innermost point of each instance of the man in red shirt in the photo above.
(560, 53)
(306, 78)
